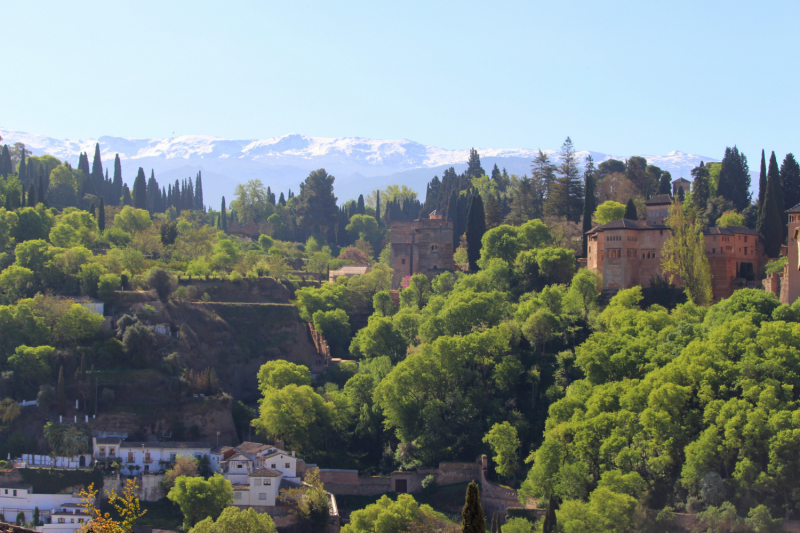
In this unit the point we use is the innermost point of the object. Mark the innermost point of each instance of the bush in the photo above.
(163, 282)
(429, 483)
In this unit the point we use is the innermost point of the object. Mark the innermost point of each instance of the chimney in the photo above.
(292, 453)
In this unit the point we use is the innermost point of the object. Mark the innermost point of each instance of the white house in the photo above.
(146, 457)
(65, 519)
(258, 472)
(16, 497)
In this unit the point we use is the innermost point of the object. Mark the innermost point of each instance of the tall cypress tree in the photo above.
(378, 208)
(665, 183)
(41, 196)
(5, 162)
(281, 200)
(198, 193)
(93, 210)
(101, 215)
(472, 514)
(223, 217)
(762, 182)
(589, 201)
(769, 220)
(140, 190)
(494, 213)
(21, 173)
(116, 196)
(476, 227)
(734, 179)
(32, 195)
(630, 211)
(361, 208)
(97, 171)
(126, 195)
(700, 187)
(790, 180)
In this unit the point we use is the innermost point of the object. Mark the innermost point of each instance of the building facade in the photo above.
(421, 246)
(146, 457)
(258, 472)
(19, 497)
(629, 252)
(791, 272)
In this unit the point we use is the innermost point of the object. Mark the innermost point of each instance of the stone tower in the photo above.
(421, 246)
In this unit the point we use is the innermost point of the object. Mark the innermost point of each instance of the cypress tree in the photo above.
(681, 194)
(32, 195)
(140, 190)
(126, 195)
(5, 162)
(35, 516)
(116, 196)
(700, 187)
(223, 217)
(22, 196)
(101, 216)
(630, 210)
(62, 397)
(790, 180)
(476, 227)
(494, 214)
(97, 170)
(41, 196)
(665, 183)
(22, 173)
(83, 164)
(93, 210)
(472, 514)
(361, 209)
(378, 208)
(762, 182)
(281, 200)
(769, 220)
(589, 201)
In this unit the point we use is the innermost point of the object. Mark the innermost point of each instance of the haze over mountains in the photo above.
(359, 164)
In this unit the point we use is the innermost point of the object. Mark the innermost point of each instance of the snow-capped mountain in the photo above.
(360, 165)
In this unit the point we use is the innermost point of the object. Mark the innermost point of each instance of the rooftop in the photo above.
(108, 440)
(350, 270)
(624, 223)
(165, 445)
(679, 180)
(730, 230)
(795, 209)
(252, 448)
(15, 485)
(661, 199)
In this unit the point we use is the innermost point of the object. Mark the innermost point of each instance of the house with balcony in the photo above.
(145, 457)
(67, 518)
(258, 472)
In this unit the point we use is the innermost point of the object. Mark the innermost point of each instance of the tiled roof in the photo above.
(265, 472)
(288, 484)
(276, 452)
(624, 223)
(661, 199)
(221, 449)
(730, 230)
(252, 448)
(795, 209)
(681, 180)
(165, 445)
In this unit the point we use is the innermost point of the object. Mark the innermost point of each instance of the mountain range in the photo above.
(360, 165)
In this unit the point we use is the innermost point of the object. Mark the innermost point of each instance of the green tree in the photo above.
(505, 444)
(390, 516)
(701, 190)
(472, 513)
(101, 216)
(15, 283)
(770, 220)
(62, 398)
(730, 218)
(734, 179)
(316, 205)
(32, 365)
(132, 220)
(379, 338)
(790, 180)
(630, 210)
(296, 414)
(199, 499)
(684, 254)
(140, 190)
(279, 373)
(517, 525)
(235, 520)
(476, 227)
(335, 328)
(609, 211)
(163, 282)
(366, 228)
(251, 202)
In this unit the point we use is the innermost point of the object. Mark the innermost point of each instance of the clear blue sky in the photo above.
(627, 78)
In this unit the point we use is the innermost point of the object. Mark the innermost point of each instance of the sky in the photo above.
(617, 77)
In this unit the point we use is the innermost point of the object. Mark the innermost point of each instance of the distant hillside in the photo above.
(360, 165)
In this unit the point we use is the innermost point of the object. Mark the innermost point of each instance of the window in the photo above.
(239, 465)
(130, 457)
(172, 458)
(434, 248)
(102, 451)
(274, 466)
(15, 493)
(402, 261)
(745, 239)
(6, 491)
(258, 482)
(111, 452)
(267, 482)
(147, 457)
(262, 496)
(61, 521)
(237, 495)
(288, 465)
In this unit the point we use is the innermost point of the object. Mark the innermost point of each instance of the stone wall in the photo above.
(349, 483)
(149, 487)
